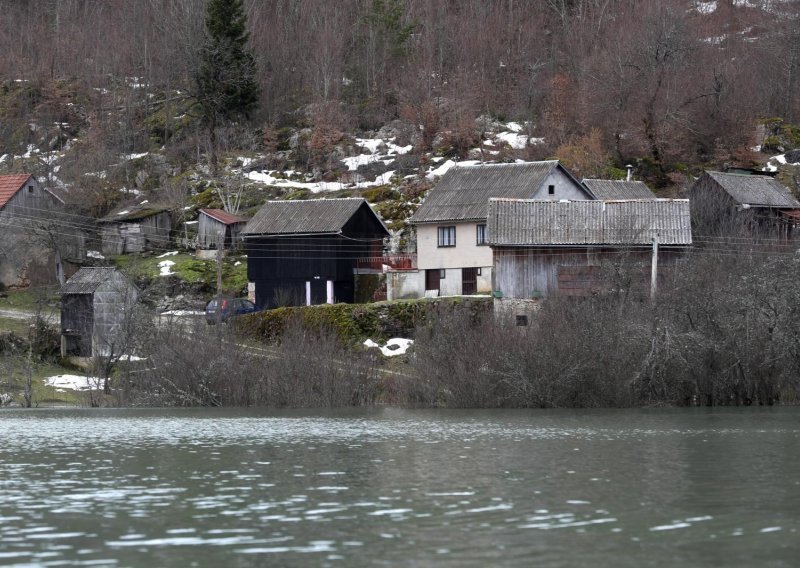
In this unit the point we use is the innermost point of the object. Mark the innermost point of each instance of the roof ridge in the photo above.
(504, 164)
(741, 175)
(315, 199)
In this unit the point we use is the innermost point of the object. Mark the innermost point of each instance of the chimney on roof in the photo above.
(630, 172)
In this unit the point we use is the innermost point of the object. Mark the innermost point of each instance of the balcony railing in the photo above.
(389, 262)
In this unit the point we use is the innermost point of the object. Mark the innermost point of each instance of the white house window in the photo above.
(30, 189)
(551, 190)
(481, 235)
(447, 237)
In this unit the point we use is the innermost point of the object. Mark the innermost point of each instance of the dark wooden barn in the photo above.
(577, 248)
(742, 205)
(95, 304)
(305, 252)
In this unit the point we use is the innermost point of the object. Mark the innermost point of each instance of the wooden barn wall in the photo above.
(207, 231)
(280, 267)
(151, 233)
(533, 272)
(112, 303)
(77, 315)
(111, 239)
(155, 230)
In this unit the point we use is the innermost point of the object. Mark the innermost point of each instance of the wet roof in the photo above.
(516, 222)
(606, 189)
(755, 190)
(305, 216)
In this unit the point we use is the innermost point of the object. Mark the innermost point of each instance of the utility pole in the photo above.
(654, 269)
(220, 247)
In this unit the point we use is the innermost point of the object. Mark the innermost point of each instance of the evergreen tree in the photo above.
(225, 79)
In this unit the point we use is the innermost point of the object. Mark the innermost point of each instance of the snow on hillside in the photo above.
(385, 151)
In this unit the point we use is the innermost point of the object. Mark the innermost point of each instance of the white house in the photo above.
(453, 256)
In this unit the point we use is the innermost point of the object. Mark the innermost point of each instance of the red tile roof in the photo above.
(223, 216)
(9, 185)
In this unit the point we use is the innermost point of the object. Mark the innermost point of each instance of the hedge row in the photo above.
(356, 322)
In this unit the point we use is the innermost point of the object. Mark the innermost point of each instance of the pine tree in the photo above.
(225, 79)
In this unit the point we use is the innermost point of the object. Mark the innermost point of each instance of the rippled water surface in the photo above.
(392, 487)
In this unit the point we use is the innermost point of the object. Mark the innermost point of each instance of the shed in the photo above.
(136, 228)
(543, 248)
(96, 306)
(211, 223)
(306, 252)
(742, 205)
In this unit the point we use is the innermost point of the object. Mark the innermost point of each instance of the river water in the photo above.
(393, 487)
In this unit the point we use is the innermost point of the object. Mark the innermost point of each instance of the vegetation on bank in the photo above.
(723, 330)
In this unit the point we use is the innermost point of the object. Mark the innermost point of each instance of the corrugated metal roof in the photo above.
(464, 191)
(607, 189)
(87, 280)
(305, 216)
(634, 222)
(223, 216)
(760, 191)
(10, 185)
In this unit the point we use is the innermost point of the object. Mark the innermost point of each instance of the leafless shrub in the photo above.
(199, 365)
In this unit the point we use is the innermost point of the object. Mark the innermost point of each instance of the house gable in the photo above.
(464, 191)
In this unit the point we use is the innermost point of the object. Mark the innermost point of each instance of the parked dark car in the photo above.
(224, 309)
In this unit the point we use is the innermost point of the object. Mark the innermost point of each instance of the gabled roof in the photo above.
(223, 216)
(132, 213)
(87, 280)
(464, 191)
(10, 185)
(311, 216)
(608, 189)
(756, 191)
(552, 223)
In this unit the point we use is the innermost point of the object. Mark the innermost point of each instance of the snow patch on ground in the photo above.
(773, 163)
(73, 382)
(134, 156)
(165, 266)
(182, 313)
(518, 141)
(395, 346)
(166, 254)
(706, 7)
(94, 254)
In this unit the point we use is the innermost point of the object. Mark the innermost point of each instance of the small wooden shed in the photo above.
(96, 306)
(135, 228)
(211, 223)
(743, 205)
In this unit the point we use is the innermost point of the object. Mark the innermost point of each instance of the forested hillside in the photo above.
(671, 86)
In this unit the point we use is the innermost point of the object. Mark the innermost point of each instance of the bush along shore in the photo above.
(723, 330)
